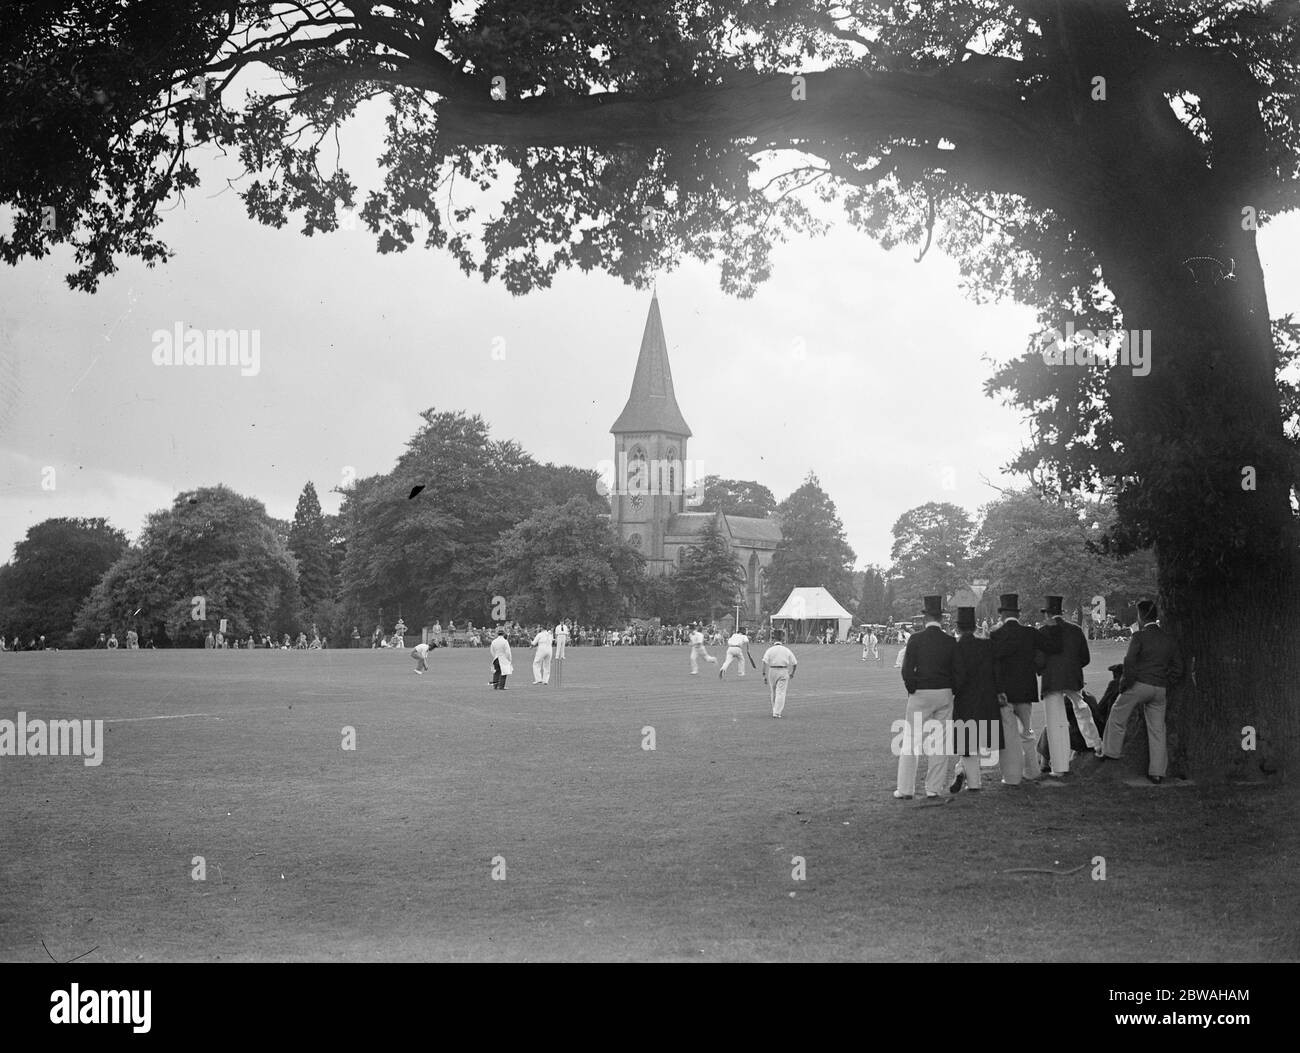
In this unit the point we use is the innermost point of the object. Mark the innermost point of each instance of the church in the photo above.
(650, 501)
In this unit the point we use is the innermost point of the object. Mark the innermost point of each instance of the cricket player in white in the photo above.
(421, 654)
(698, 651)
(778, 670)
(542, 659)
(561, 638)
(737, 649)
(870, 645)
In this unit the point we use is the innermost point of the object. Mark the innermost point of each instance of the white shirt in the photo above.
(697, 639)
(500, 647)
(422, 650)
(737, 640)
(543, 640)
(779, 655)
(561, 631)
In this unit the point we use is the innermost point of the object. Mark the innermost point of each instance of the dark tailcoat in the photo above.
(1014, 668)
(1063, 671)
(928, 660)
(976, 694)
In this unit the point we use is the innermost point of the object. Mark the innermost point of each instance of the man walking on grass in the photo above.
(779, 664)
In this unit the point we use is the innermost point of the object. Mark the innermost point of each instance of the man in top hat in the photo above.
(1062, 679)
(1016, 674)
(975, 711)
(1153, 662)
(929, 674)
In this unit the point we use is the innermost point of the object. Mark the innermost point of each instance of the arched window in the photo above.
(637, 484)
(672, 469)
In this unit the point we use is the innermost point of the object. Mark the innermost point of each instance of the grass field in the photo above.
(611, 851)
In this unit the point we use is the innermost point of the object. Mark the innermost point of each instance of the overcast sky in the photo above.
(853, 362)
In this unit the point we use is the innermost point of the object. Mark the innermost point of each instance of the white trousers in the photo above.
(1082, 716)
(929, 704)
(777, 682)
(1022, 762)
(696, 654)
(542, 667)
(738, 656)
(1058, 732)
(560, 641)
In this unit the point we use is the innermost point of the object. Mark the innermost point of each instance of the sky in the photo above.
(858, 364)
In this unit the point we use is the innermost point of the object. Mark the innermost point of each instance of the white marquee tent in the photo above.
(808, 611)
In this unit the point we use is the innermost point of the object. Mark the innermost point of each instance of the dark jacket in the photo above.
(1153, 658)
(928, 660)
(1063, 671)
(1014, 668)
(975, 696)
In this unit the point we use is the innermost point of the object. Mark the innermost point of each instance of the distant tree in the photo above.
(659, 597)
(52, 572)
(873, 608)
(565, 561)
(813, 550)
(433, 555)
(931, 553)
(735, 497)
(309, 542)
(709, 579)
(214, 554)
(1033, 544)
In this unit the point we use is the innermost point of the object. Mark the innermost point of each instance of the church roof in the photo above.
(747, 528)
(683, 524)
(652, 405)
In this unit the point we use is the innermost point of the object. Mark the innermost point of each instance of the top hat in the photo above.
(1053, 608)
(1009, 603)
(1147, 610)
(966, 618)
(933, 607)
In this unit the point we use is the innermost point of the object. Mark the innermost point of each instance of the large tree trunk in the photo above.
(1212, 474)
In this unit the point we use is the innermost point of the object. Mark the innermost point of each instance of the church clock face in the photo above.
(636, 500)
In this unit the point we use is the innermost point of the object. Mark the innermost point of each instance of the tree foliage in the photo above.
(1031, 544)
(53, 570)
(930, 552)
(565, 562)
(433, 555)
(735, 497)
(708, 579)
(873, 607)
(214, 554)
(309, 542)
(813, 550)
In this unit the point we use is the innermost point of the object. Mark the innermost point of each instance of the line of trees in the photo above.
(463, 527)
(467, 527)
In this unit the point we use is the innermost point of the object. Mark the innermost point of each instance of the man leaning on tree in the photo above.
(1153, 663)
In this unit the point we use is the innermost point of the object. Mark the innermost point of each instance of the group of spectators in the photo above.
(632, 634)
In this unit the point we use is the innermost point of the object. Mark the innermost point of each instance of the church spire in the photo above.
(652, 405)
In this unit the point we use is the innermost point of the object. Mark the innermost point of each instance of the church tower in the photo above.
(649, 451)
